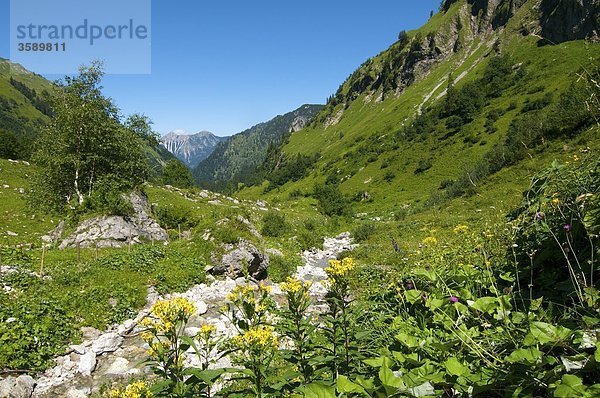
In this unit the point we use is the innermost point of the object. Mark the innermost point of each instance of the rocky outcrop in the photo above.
(118, 231)
(564, 20)
(239, 259)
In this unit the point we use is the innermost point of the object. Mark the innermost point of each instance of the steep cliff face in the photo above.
(565, 20)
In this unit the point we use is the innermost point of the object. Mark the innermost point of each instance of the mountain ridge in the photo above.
(191, 149)
(247, 149)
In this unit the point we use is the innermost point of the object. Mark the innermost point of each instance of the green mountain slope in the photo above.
(371, 140)
(23, 109)
(233, 158)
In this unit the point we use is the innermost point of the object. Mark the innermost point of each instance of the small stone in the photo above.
(202, 307)
(6, 386)
(75, 393)
(23, 387)
(126, 326)
(191, 331)
(78, 349)
(108, 342)
(87, 363)
(118, 367)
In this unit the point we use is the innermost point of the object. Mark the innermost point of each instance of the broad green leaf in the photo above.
(344, 385)
(571, 386)
(318, 390)
(412, 296)
(374, 362)
(389, 379)
(525, 355)
(545, 333)
(455, 367)
(486, 304)
(408, 340)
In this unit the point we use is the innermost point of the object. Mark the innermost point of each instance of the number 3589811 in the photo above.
(42, 47)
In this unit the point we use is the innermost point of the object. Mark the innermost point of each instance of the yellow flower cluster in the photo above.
(292, 285)
(156, 348)
(137, 389)
(430, 241)
(460, 229)
(207, 329)
(167, 312)
(245, 293)
(340, 268)
(257, 337)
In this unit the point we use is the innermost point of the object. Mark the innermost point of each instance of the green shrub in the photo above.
(281, 267)
(331, 200)
(173, 216)
(389, 176)
(364, 231)
(423, 166)
(274, 224)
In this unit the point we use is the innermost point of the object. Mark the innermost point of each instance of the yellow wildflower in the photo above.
(340, 268)
(170, 311)
(241, 292)
(257, 337)
(264, 288)
(207, 329)
(430, 241)
(137, 389)
(147, 336)
(461, 228)
(292, 285)
(555, 201)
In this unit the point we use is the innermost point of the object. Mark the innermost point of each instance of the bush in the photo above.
(282, 267)
(389, 176)
(173, 216)
(364, 231)
(274, 224)
(423, 166)
(331, 201)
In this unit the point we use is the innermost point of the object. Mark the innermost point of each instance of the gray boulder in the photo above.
(238, 257)
(20, 387)
(118, 231)
(108, 342)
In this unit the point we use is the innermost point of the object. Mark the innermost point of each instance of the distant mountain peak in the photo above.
(242, 152)
(191, 149)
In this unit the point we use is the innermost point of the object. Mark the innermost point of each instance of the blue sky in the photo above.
(225, 66)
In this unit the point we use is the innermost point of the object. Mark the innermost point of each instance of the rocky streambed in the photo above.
(117, 354)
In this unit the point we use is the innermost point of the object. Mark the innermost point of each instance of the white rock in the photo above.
(108, 342)
(87, 363)
(118, 367)
(125, 326)
(75, 393)
(6, 386)
(191, 331)
(202, 307)
(23, 387)
(78, 349)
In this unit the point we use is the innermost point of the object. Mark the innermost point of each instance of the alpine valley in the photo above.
(432, 230)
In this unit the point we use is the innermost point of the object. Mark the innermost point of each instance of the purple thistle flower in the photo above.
(409, 286)
(567, 227)
(453, 299)
(539, 215)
